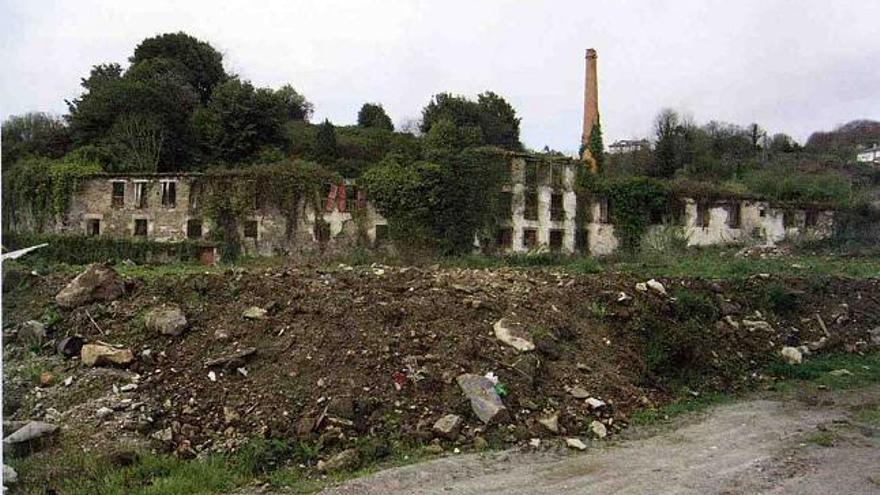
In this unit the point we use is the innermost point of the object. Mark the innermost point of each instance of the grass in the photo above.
(822, 438)
(688, 404)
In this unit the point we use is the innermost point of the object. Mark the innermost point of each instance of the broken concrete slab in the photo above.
(98, 355)
(514, 334)
(485, 402)
(99, 282)
(167, 319)
(28, 435)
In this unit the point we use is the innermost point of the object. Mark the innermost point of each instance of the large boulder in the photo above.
(514, 334)
(166, 319)
(97, 355)
(28, 436)
(99, 282)
(485, 401)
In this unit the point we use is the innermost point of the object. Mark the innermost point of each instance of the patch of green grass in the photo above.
(864, 370)
(869, 415)
(687, 404)
(822, 438)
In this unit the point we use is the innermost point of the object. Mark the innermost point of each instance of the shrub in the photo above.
(81, 250)
(779, 298)
(695, 306)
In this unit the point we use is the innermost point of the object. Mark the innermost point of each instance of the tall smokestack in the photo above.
(591, 96)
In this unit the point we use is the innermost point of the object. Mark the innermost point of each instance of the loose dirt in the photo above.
(761, 445)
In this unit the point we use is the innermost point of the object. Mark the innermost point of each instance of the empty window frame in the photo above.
(734, 215)
(557, 177)
(789, 219)
(140, 227)
(702, 215)
(531, 175)
(530, 238)
(556, 237)
(93, 227)
(140, 194)
(169, 194)
(250, 229)
(118, 196)
(504, 238)
(531, 209)
(811, 218)
(604, 210)
(557, 211)
(194, 228)
(582, 241)
(381, 234)
(322, 231)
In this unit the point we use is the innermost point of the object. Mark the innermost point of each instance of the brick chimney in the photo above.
(591, 96)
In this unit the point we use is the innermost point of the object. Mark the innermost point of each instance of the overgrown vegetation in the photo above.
(80, 250)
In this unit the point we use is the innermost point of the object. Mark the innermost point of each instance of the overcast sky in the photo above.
(792, 66)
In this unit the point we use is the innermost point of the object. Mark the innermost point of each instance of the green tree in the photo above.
(239, 120)
(294, 105)
(491, 114)
(326, 150)
(667, 151)
(201, 64)
(33, 134)
(374, 116)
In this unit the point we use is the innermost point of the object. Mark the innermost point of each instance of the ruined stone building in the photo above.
(545, 212)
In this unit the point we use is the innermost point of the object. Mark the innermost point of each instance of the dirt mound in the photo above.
(367, 358)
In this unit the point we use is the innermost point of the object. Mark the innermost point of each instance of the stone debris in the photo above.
(30, 432)
(46, 379)
(579, 392)
(514, 334)
(164, 435)
(70, 346)
(840, 372)
(656, 287)
(32, 333)
(104, 412)
(551, 422)
(576, 443)
(254, 313)
(485, 401)
(129, 387)
(166, 320)
(10, 477)
(232, 361)
(595, 403)
(535, 443)
(99, 354)
(448, 426)
(791, 355)
(598, 428)
(642, 287)
(99, 282)
(345, 460)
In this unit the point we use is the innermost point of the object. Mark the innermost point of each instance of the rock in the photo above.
(753, 325)
(164, 435)
(304, 426)
(514, 334)
(595, 403)
(791, 355)
(230, 415)
(434, 449)
(128, 387)
(166, 319)
(578, 392)
(484, 400)
(342, 407)
(99, 282)
(598, 429)
(28, 434)
(874, 334)
(535, 443)
(70, 346)
(345, 460)
(550, 422)
(480, 443)
(46, 379)
(32, 333)
(221, 334)
(98, 354)
(68, 381)
(642, 287)
(254, 313)
(575, 443)
(840, 372)
(232, 361)
(10, 477)
(656, 287)
(448, 426)
(104, 412)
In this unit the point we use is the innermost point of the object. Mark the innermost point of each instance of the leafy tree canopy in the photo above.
(34, 134)
(201, 64)
(373, 115)
(491, 114)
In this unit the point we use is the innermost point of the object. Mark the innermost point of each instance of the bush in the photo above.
(780, 299)
(695, 306)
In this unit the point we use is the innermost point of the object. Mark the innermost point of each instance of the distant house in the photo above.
(628, 146)
(870, 155)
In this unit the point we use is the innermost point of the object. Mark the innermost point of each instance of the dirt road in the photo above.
(818, 443)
